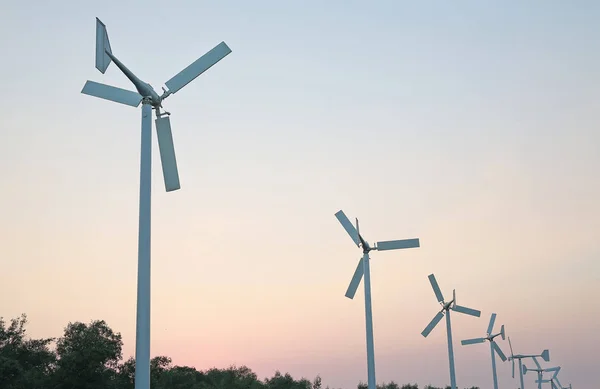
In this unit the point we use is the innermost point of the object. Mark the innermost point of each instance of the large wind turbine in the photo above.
(363, 269)
(545, 356)
(495, 349)
(540, 371)
(446, 307)
(150, 100)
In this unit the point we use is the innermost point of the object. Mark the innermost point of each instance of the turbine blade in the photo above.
(198, 67)
(398, 244)
(550, 369)
(111, 93)
(511, 349)
(491, 325)
(546, 355)
(167, 153)
(472, 341)
(432, 324)
(536, 362)
(358, 273)
(513, 367)
(498, 351)
(343, 219)
(558, 382)
(436, 288)
(102, 47)
(466, 311)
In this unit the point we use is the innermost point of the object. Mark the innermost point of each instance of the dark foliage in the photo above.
(89, 356)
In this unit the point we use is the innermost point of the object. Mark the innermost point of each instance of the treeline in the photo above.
(89, 356)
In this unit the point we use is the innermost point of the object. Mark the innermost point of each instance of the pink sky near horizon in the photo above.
(482, 142)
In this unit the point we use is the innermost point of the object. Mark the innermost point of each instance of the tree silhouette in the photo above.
(89, 356)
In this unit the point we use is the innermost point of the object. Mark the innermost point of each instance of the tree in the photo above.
(24, 363)
(279, 381)
(88, 356)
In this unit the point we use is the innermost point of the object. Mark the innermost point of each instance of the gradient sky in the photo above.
(472, 125)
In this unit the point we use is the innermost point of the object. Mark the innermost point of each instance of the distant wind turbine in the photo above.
(363, 270)
(446, 307)
(540, 371)
(545, 356)
(495, 349)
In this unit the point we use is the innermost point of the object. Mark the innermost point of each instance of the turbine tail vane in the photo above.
(102, 47)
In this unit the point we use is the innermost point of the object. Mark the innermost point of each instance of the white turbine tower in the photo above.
(495, 349)
(446, 307)
(363, 270)
(545, 356)
(150, 100)
(540, 371)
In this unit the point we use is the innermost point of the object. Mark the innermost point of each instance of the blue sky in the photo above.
(471, 125)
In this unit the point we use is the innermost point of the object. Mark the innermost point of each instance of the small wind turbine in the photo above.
(545, 356)
(446, 307)
(150, 100)
(540, 371)
(495, 349)
(363, 269)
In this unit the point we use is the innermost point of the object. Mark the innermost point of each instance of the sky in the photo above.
(470, 125)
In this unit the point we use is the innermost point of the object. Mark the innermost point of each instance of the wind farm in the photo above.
(454, 145)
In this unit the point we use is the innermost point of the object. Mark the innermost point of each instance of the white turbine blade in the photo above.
(397, 244)
(102, 46)
(107, 92)
(432, 324)
(513, 367)
(436, 288)
(558, 382)
(167, 153)
(491, 325)
(498, 351)
(536, 362)
(198, 67)
(341, 216)
(472, 341)
(466, 311)
(358, 273)
(512, 357)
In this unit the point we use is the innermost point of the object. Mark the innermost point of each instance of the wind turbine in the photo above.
(150, 100)
(363, 269)
(495, 349)
(446, 307)
(545, 356)
(540, 371)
